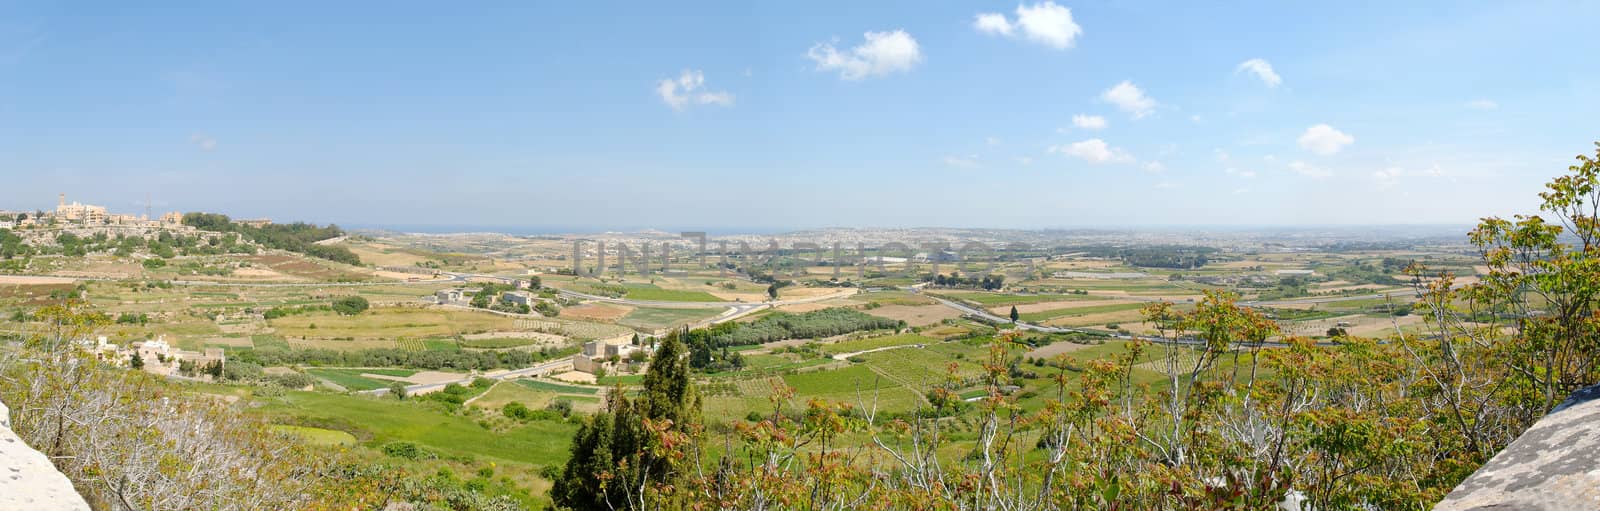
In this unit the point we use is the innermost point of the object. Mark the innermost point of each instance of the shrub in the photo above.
(350, 305)
(560, 406)
(406, 450)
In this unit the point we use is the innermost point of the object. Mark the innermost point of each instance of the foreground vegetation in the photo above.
(1352, 424)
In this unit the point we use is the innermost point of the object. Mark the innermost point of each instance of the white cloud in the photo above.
(992, 141)
(1308, 170)
(1262, 69)
(1247, 174)
(1044, 23)
(1196, 118)
(1093, 150)
(1324, 139)
(1482, 104)
(1166, 185)
(1089, 122)
(1155, 166)
(1389, 177)
(206, 143)
(1024, 160)
(993, 23)
(686, 90)
(882, 53)
(1129, 98)
(969, 162)
(1386, 178)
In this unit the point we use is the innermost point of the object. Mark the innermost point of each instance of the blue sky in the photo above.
(788, 115)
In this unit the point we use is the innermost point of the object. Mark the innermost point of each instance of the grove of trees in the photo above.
(294, 237)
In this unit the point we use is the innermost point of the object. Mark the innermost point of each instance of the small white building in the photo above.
(450, 295)
(519, 298)
(598, 354)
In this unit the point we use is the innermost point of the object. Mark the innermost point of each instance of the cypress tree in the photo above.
(619, 447)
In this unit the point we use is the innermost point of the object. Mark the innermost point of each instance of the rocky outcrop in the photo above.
(27, 478)
(1554, 465)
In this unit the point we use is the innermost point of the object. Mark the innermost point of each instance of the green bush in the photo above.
(350, 305)
(406, 450)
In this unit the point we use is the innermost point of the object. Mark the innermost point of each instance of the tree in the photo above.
(1014, 314)
(398, 390)
(772, 291)
(632, 454)
(350, 305)
(136, 361)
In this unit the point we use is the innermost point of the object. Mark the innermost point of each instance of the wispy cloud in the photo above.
(881, 54)
(1130, 98)
(1094, 151)
(686, 90)
(1089, 122)
(203, 141)
(1263, 70)
(1308, 170)
(967, 162)
(1325, 140)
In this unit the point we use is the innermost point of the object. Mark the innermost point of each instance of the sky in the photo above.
(767, 115)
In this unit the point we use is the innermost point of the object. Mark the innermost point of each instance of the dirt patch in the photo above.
(796, 293)
(424, 377)
(515, 335)
(1360, 325)
(575, 377)
(258, 273)
(737, 296)
(916, 315)
(597, 312)
(232, 342)
(23, 280)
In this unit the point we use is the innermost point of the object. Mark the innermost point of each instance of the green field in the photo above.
(494, 344)
(874, 342)
(559, 388)
(316, 436)
(1033, 317)
(538, 443)
(669, 295)
(352, 379)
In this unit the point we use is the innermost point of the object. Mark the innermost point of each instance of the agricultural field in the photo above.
(391, 323)
(650, 319)
(915, 315)
(656, 294)
(871, 343)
